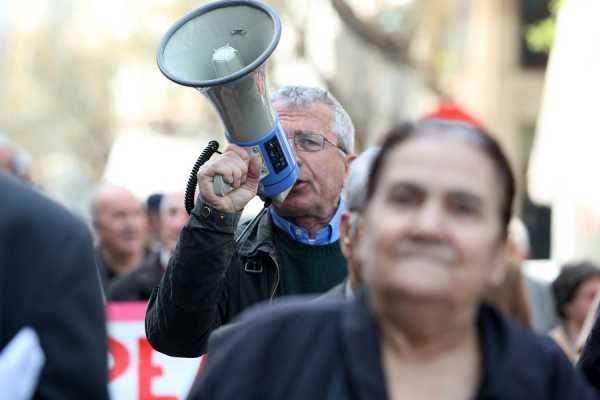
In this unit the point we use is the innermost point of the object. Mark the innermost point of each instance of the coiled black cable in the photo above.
(190, 190)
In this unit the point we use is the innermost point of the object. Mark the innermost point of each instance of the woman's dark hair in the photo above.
(571, 277)
(471, 133)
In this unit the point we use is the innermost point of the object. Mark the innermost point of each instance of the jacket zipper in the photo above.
(276, 280)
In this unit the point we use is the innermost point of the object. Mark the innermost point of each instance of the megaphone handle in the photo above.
(220, 187)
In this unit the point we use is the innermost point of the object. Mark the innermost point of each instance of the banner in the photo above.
(136, 370)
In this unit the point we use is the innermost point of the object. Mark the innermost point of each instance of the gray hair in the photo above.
(355, 187)
(21, 163)
(96, 197)
(302, 96)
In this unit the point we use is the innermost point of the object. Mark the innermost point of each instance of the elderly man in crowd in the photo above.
(138, 284)
(354, 194)
(120, 225)
(289, 248)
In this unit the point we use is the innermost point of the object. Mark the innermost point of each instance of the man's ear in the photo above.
(348, 160)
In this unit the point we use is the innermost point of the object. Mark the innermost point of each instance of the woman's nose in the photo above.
(429, 220)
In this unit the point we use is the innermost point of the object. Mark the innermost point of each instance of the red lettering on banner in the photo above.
(147, 371)
(120, 356)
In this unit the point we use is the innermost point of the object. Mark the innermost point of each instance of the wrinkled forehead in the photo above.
(315, 118)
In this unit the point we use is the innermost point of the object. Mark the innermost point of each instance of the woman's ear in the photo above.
(500, 262)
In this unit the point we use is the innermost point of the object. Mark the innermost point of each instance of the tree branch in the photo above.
(392, 46)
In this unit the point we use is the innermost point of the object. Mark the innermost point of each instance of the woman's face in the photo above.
(432, 226)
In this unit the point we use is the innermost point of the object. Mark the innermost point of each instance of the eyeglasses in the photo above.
(312, 142)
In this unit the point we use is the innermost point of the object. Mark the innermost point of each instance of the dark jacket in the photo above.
(338, 292)
(331, 350)
(49, 281)
(106, 275)
(589, 360)
(210, 279)
(138, 284)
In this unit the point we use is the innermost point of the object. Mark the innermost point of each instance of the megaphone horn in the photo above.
(221, 49)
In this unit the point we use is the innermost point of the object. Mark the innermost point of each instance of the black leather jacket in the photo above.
(211, 278)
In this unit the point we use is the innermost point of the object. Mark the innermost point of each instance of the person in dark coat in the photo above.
(354, 197)
(138, 284)
(219, 269)
(49, 283)
(120, 225)
(432, 242)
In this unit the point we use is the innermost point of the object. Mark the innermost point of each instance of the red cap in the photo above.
(451, 111)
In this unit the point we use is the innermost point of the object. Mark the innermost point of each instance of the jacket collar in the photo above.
(255, 236)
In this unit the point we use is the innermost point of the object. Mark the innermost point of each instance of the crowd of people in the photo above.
(393, 273)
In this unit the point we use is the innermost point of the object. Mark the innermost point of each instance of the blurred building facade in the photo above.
(469, 51)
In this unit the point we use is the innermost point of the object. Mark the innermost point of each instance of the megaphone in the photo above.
(221, 49)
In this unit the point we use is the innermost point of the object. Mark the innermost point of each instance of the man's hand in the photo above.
(239, 170)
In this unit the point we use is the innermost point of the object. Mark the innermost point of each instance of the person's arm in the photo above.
(191, 299)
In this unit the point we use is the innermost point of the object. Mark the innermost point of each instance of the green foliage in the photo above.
(540, 36)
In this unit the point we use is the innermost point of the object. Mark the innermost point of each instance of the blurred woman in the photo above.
(574, 290)
(433, 239)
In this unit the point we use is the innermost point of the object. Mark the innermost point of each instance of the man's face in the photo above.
(121, 222)
(172, 219)
(350, 235)
(577, 310)
(316, 193)
(432, 227)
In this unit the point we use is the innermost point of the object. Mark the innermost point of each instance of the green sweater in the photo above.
(308, 268)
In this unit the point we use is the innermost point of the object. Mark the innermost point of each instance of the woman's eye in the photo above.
(464, 209)
(401, 198)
